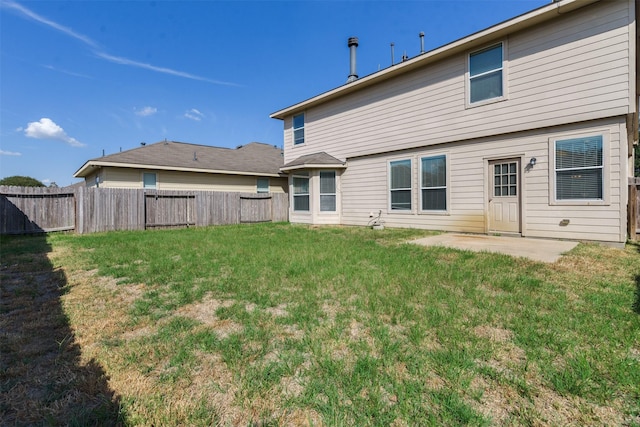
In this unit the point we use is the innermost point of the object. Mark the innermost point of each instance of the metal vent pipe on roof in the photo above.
(392, 54)
(421, 41)
(353, 44)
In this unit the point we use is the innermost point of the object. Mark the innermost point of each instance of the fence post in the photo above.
(79, 201)
(633, 209)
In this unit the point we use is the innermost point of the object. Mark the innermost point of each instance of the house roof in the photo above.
(319, 160)
(464, 44)
(252, 159)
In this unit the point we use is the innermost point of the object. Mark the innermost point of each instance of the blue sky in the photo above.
(80, 77)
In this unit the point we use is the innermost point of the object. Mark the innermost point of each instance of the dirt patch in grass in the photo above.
(204, 311)
(493, 334)
(291, 386)
(505, 404)
(279, 311)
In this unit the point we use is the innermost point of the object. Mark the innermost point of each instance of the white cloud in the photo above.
(194, 114)
(47, 129)
(69, 73)
(100, 52)
(147, 111)
(164, 70)
(68, 31)
(9, 153)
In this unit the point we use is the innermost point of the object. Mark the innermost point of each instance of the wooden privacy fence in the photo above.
(36, 209)
(89, 210)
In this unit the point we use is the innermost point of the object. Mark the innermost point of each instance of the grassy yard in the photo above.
(288, 325)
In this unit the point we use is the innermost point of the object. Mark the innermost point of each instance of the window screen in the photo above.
(485, 74)
(298, 129)
(400, 185)
(434, 183)
(327, 191)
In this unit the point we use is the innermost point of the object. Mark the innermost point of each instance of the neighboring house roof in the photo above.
(316, 160)
(464, 44)
(252, 159)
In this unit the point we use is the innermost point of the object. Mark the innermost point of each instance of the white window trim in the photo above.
(505, 77)
(320, 193)
(293, 129)
(308, 194)
(606, 169)
(447, 187)
(400, 211)
(149, 173)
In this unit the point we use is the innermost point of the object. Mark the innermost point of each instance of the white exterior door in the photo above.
(504, 196)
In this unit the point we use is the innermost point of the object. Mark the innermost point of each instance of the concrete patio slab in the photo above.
(543, 250)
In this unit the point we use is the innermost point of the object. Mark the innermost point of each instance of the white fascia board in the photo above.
(313, 166)
(87, 167)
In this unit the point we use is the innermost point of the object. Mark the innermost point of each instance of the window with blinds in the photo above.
(327, 191)
(433, 176)
(400, 185)
(301, 192)
(579, 168)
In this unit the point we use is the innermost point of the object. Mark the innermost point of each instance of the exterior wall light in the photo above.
(532, 162)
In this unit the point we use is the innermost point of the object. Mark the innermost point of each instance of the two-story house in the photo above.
(525, 127)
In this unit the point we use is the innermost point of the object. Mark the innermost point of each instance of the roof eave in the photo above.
(313, 166)
(523, 21)
(88, 167)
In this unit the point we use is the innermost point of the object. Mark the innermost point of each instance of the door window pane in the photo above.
(505, 179)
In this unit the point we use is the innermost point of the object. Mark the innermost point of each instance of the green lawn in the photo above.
(275, 324)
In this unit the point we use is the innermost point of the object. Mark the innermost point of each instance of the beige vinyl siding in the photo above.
(178, 180)
(365, 186)
(90, 180)
(122, 178)
(573, 68)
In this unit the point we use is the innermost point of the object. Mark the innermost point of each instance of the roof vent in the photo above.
(143, 143)
(392, 53)
(421, 35)
(353, 44)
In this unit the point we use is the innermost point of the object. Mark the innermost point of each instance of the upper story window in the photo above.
(298, 129)
(579, 168)
(400, 185)
(262, 185)
(433, 183)
(301, 192)
(149, 180)
(327, 191)
(486, 74)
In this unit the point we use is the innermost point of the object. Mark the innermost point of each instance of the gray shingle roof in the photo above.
(253, 158)
(316, 159)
